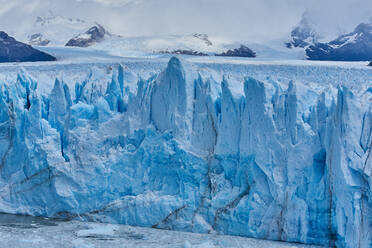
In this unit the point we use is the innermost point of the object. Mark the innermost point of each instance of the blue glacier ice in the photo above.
(275, 152)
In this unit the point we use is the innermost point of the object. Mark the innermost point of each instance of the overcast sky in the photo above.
(253, 20)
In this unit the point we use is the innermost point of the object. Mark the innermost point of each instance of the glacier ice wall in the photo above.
(181, 150)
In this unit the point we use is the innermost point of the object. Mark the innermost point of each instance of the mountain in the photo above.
(190, 44)
(354, 46)
(53, 30)
(12, 50)
(304, 34)
(370, 63)
(57, 30)
(242, 51)
(95, 34)
(38, 40)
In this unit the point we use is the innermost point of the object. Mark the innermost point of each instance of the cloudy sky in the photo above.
(253, 20)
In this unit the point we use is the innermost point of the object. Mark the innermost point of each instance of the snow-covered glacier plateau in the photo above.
(265, 150)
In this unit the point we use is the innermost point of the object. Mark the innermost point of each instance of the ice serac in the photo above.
(204, 118)
(183, 150)
(168, 100)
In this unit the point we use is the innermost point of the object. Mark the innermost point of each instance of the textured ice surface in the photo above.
(31, 232)
(271, 151)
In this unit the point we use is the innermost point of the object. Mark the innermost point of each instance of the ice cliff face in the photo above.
(184, 150)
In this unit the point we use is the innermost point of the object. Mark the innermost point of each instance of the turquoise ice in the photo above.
(259, 151)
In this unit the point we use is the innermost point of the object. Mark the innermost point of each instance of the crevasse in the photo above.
(185, 152)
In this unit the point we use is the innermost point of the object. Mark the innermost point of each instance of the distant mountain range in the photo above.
(12, 50)
(354, 46)
(305, 41)
(56, 30)
(242, 51)
(191, 44)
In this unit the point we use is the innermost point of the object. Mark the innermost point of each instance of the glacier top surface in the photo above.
(76, 64)
(312, 78)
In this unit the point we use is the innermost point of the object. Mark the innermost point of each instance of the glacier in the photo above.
(269, 151)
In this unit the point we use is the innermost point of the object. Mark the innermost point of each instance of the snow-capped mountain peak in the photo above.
(354, 46)
(54, 29)
(304, 34)
(362, 32)
(95, 34)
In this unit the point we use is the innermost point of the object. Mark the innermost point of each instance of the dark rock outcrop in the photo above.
(242, 51)
(354, 46)
(370, 63)
(12, 50)
(95, 34)
(184, 52)
(38, 40)
(203, 37)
